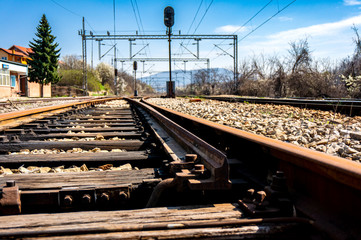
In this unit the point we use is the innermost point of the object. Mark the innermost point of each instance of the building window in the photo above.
(13, 80)
(4, 77)
(4, 58)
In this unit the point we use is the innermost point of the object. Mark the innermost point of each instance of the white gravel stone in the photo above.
(324, 131)
(38, 104)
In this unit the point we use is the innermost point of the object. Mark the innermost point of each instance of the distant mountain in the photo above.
(181, 78)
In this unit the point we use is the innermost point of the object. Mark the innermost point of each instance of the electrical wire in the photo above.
(203, 16)
(140, 19)
(244, 24)
(263, 23)
(135, 14)
(73, 13)
(279, 11)
(205, 13)
(194, 18)
(139, 22)
(253, 17)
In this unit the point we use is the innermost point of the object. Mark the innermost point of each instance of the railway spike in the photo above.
(10, 183)
(123, 196)
(68, 200)
(190, 157)
(86, 199)
(104, 197)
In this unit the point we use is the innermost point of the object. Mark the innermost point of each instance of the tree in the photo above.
(71, 62)
(43, 66)
(300, 56)
(106, 73)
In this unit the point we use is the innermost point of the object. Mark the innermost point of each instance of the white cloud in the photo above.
(322, 39)
(230, 29)
(285, 19)
(325, 29)
(351, 2)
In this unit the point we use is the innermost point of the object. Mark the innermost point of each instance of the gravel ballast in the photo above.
(324, 131)
(38, 104)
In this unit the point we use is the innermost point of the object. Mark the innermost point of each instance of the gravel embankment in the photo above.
(83, 168)
(25, 106)
(324, 131)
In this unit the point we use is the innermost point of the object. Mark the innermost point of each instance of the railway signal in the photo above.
(169, 17)
(135, 67)
(169, 22)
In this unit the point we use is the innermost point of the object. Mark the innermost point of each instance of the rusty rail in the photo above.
(350, 107)
(214, 160)
(13, 119)
(326, 187)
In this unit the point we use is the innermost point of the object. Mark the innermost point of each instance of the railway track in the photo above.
(16, 102)
(348, 107)
(142, 171)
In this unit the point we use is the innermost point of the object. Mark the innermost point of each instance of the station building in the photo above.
(14, 80)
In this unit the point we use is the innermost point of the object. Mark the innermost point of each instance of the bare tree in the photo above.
(278, 77)
(71, 62)
(201, 84)
(300, 55)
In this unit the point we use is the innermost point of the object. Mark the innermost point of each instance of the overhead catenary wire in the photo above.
(141, 24)
(72, 12)
(135, 14)
(244, 24)
(205, 13)
(190, 27)
(195, 16)
(138, 20)
(255, 15)
(278, 12)
(260, 25)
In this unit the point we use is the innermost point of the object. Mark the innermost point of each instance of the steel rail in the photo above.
(348, 107)
(213, 159)
(340, 169)
(15, 102)
(12, 119)
(329, 184)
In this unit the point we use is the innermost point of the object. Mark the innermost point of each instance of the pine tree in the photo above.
(43, 66)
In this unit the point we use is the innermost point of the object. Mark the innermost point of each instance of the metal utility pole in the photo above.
(169, 22)
(115, 57)
(122, 65)
(235, 59)
(130, 48)
(185, 71)
(91, 33)
(135, 67)
(85, 79)
(197, 39)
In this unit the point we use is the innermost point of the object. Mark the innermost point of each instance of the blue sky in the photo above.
(326, 25)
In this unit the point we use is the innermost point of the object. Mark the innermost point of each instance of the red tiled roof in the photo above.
(15, 52)
(25, 50)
